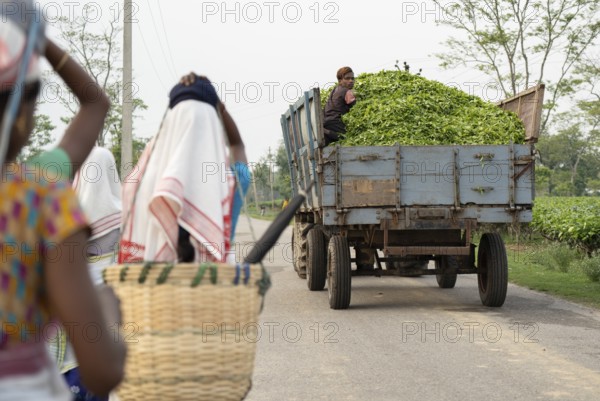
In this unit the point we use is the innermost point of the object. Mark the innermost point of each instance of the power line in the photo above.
(150, 57)
(166, 36)
(162, 50)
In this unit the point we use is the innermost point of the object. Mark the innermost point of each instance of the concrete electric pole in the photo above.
(127, 123)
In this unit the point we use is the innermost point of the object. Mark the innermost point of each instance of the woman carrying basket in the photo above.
(178, 203)
(43, 269)
(98, 189)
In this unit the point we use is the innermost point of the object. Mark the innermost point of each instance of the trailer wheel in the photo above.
(339, 278)
(446, 264)
(299, 250)
(492, 270)
(316, 260)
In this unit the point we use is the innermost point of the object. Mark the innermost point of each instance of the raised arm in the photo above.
(238, 150)
(83, 131)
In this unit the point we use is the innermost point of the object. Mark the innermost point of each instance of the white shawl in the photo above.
(185, 181)
(99, 191)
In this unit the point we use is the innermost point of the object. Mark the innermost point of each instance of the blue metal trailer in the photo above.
(411, 203)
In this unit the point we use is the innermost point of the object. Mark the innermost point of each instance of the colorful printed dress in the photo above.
(57, 166)
(37, 213)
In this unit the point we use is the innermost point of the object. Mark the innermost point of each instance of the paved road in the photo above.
(406, 339)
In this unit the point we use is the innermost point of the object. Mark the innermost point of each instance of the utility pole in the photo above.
(271, 177)
(127, 123)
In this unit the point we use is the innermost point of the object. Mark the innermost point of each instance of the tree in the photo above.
(576, 147)
(572, 158)
(98, 53)
(40, 137)
(261, 175)
(543, 177)
(515, 42)
(272, 173)
(588, 72)
(139, 144)
(283, 180)
(270, 159)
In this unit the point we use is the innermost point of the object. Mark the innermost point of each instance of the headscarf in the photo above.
(12, 48)
(99, 191)
(201, 90)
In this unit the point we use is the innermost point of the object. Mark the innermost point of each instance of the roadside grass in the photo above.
(555, 269)
(269, 214)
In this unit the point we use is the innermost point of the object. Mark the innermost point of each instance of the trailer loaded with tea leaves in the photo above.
(421, 165)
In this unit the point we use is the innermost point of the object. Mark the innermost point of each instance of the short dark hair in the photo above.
(343, 71)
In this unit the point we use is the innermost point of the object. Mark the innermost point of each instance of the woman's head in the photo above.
(201, 90)
(345, 77)
(12, 48)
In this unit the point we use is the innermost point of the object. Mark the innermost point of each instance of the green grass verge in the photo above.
(266, 217)
(568, 283)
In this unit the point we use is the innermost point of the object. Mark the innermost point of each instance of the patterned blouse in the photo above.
(36, 215)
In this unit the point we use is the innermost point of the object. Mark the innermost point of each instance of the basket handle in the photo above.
(202, 270)
(164, 275)
(122, 273)
(144, 273)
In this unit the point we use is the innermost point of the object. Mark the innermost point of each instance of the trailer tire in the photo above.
(299, 250)
(446, 264)
(316, 260)
(339, 279)
(492, 270)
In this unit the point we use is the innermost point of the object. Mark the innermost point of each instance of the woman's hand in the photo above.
(85, 127)
(190, 78)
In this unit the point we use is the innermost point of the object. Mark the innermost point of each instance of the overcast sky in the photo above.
(262, 55)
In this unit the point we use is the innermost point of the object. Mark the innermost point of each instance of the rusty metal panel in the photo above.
(428, 250)
(365, 192)
(367, 176)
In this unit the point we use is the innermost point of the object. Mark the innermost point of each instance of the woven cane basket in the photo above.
(191, 330)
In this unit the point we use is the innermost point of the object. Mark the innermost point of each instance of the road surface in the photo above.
(407, 339)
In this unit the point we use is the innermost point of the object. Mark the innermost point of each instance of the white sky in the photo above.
(262, 55)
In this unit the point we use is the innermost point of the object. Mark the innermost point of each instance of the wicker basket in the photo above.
(191, 330)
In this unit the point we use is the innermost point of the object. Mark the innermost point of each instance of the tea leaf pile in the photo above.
(400, 107)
